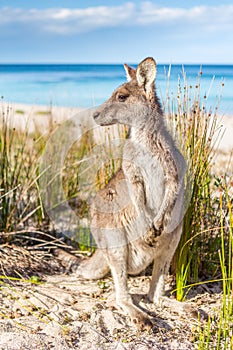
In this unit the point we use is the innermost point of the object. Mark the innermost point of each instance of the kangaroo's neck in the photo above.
(151, 127)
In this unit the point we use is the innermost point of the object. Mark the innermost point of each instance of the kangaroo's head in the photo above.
(132, 102)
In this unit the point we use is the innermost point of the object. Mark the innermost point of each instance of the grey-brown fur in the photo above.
(137, 218)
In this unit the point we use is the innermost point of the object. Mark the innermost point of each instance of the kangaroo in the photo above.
(137, 218)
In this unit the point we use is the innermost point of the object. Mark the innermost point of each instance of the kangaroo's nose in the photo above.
(96, 114)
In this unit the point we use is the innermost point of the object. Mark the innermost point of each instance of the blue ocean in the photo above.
(88, 85)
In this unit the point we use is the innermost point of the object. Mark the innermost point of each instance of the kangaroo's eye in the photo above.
(122, 98)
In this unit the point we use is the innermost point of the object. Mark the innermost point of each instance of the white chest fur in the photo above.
(140, 163)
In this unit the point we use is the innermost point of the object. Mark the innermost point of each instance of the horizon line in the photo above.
(115, 63)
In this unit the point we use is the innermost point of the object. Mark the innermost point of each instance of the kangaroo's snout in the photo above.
(96, 114)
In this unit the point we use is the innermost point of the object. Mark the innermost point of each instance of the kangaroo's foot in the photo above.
(92, 268)
(138, 317)
(178, 306)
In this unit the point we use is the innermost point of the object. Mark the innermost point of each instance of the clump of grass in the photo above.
(21, 205)
(196, 130)
(205, 252)
(19, 197)
(217, 333)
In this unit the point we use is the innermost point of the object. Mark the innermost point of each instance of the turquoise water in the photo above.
(88, 85)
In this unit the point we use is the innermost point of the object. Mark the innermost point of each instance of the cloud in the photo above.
(208, 17)
(67, 21)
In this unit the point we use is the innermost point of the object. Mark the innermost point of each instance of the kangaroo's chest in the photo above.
(148, 170)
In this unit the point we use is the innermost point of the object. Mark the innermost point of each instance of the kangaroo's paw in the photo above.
(158, 224)
(151, 237)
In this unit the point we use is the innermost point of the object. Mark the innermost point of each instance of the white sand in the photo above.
(226, 143)
(39, 118)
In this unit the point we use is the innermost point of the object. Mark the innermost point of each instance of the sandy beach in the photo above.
(37, 117)
(226, 142)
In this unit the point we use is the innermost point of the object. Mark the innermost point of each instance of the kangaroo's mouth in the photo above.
(107, 123)
(95, 115)
(103, 120)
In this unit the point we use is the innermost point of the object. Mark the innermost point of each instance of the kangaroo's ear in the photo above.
(130, 72)
(146, 73)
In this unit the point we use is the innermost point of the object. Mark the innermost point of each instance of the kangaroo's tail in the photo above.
(93, 268)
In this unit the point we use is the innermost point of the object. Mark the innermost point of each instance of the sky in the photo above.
(96, 31)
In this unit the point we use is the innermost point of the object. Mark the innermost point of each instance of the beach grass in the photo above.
(217, 333)
(196, 131)
(205, 251)
(19, 174)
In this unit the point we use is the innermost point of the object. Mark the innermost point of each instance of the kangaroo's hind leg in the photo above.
(165, 249)
(167, 245)
(117, 260)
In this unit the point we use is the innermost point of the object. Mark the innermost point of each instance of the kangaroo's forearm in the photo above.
(137, 192)
(171, 181)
